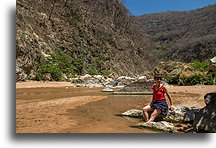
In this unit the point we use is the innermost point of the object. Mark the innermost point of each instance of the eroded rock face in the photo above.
(205, 120)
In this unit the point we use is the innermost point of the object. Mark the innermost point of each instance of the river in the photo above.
(93, 117)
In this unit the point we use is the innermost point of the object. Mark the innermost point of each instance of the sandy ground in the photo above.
(40, 84)
(59, 107)
(191, 95)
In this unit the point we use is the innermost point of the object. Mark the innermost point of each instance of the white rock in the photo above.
(87, 76)
(107, 89)
(142, 78)
(162, 125)
(133, 113)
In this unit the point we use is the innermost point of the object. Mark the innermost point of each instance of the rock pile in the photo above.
(102, 81)
(91, 81)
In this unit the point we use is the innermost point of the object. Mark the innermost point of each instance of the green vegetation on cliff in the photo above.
(203, 75)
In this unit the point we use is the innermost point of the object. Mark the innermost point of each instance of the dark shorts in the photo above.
(161, 105)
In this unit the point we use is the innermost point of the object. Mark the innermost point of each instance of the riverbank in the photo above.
(41, 84)
(59, 107)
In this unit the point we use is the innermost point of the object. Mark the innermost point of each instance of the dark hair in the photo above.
(157, 76)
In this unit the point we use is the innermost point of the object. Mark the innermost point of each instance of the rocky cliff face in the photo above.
(95, 36)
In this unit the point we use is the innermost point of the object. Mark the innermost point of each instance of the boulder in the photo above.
(212, 64)
(107, 89)
(133, 113)
(180, 114)
(126, 80)
(47, 77)
(161, 125)
(112, 84)
(205, 120)
(142, 78)
(90, 81)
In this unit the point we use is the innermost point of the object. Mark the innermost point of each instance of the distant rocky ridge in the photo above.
(181, 35)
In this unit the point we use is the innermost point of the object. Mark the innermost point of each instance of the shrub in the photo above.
(105, 72)
(172, 79)
(208, 79)
(58, 64)
(160, 47)
(194, 79)
(92, 70)
(200, 66)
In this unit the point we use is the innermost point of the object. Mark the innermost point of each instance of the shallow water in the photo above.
(101, 116)
(56, 92)
(95, 117)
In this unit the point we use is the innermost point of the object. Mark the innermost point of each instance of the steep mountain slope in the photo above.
(182, 35)
(60, 39)
(74, 37)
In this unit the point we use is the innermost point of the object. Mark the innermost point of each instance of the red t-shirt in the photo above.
(159, 94)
